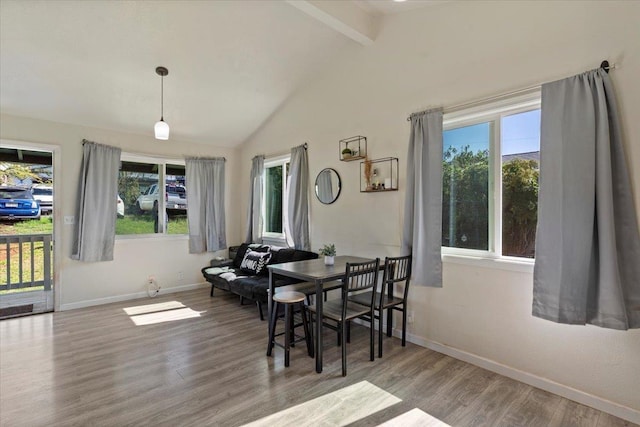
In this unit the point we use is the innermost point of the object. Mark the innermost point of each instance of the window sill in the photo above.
(508, 264)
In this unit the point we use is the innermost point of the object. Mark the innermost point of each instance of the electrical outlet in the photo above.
(180, 275)
(410, 317)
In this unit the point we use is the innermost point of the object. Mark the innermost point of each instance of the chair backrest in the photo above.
(396, 270)
(360, 276)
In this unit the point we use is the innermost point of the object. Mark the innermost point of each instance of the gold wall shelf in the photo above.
(353, 148)
(383, 175)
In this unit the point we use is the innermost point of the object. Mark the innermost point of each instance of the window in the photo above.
(141, 197)
(275, 196)
(490, 179)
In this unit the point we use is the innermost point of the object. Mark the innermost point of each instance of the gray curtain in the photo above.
(95, 229)
(325, 186)
(205, 194)
(587, 266)
(422, 233)
(254, 210)
(298, 199)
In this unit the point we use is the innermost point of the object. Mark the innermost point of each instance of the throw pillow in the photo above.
(254, 262)
(244, 248)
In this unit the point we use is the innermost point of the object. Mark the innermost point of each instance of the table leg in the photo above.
(319, 301)
(272, 281)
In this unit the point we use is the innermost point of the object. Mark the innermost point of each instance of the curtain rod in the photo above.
(282, 153)
(604, 65)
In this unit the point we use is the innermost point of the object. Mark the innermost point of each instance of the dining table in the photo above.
(317, 272)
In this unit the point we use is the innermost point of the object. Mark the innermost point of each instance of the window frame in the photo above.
(283, 160)
(160, 161)
(493, 113)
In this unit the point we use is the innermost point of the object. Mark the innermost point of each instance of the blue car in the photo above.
(18, 203)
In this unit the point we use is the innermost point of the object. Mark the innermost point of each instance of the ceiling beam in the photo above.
(342, 16)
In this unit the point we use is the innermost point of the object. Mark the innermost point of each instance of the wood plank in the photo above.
(536, 409)
(573, 414)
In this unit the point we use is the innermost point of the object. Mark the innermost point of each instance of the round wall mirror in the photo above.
(328, 186)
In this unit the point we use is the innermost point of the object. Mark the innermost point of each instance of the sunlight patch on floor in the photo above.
(152, 308)
(338, 408)
(414, 418)
(159, 313)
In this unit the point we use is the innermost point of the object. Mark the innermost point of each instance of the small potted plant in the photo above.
(329, 252)
(347, 153)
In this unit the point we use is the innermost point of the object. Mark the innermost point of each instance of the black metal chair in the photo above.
(396, 270)
(358, 277)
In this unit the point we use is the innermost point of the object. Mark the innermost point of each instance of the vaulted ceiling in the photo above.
(231, 63)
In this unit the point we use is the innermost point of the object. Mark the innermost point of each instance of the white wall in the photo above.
(80, 284)
(441, 56)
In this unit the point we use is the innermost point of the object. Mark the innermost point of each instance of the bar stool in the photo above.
(289, 299)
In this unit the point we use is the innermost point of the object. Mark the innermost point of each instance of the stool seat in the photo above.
(309, 288)
(289, 297)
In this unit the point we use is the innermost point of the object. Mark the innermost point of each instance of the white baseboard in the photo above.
(570, 393)
(127, 297)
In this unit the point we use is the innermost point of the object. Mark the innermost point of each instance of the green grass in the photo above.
(134, 225)
(178, 225)
(44, 225)
(143, 224)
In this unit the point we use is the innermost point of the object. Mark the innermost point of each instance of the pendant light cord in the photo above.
(162, 98)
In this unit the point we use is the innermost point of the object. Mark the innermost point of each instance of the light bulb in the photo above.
(162, 130)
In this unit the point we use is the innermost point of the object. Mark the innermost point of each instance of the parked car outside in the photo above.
(120, 207)
(44, 195)
(175, 198)
(18, 203)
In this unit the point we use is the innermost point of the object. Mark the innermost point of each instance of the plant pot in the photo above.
(329, 260)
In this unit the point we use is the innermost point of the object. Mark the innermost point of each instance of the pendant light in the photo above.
(161, 128)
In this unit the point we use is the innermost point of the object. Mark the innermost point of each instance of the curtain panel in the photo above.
(205, 182)
(254, 210)
(422, 232)
(587, 267)
(95, 230)
(298, 199)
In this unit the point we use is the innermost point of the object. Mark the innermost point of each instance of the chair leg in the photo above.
(307, 333)
(260, 310)
(372, 338)
(292, 330)
(404, 325)
(380, 321)
(343, 326)
(287, 333)
(241, 300)
(389, 322)
(348, 331)
(211, 290)
(272, 327)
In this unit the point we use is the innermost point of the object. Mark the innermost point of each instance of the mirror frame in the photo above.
(339, 186)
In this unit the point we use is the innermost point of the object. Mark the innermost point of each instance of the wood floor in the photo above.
(207, 366)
